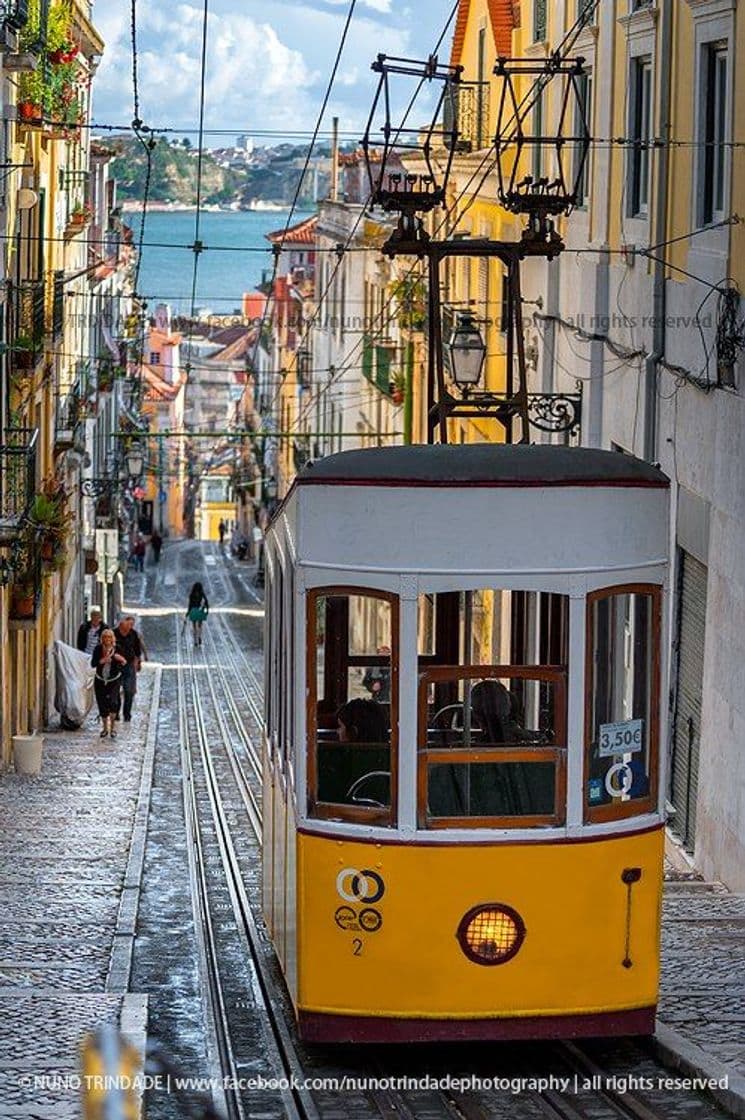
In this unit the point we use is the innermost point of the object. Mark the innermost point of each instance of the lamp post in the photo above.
(135, 462)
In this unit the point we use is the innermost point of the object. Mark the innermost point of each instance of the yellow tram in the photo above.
(463, 778)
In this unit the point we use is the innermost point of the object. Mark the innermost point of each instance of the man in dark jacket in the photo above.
(128, 643)
(90, 632)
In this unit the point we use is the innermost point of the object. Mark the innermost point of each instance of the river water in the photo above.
(228, 266)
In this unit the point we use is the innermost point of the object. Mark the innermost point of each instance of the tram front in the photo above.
(464, 797)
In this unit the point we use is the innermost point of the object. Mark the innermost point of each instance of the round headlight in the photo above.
(491, 933)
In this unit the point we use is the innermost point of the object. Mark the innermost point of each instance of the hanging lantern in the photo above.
(467, 352)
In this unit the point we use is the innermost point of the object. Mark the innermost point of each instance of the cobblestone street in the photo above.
(95, 850)
(70, 841)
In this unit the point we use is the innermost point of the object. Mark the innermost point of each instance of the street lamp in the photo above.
(135, 461)
(467, 352)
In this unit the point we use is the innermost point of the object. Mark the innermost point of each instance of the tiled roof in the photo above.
(502, 18)
(304, 233)
(157, 388)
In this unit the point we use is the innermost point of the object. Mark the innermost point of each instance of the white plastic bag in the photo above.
(74, 684)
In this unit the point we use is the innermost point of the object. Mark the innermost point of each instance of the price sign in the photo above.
(621, 738)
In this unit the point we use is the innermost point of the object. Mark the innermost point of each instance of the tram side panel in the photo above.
(379, 936)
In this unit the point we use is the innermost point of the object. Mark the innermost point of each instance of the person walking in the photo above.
(156, 543)
(109, 663)
(222, 530)
(197, 611)
(89, 634)
(129, 644)
(139, 554)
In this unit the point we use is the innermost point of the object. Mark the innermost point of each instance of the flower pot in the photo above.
(47, 550)
(28, 111)
(397, 396)
(27, 753)
(22, 605)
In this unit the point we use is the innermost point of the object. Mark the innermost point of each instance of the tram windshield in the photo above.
(352, 715)
(492, 709)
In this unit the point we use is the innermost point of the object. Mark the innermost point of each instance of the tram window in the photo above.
(491, 626)
(352, 706)
(494, 755)
(623, 698)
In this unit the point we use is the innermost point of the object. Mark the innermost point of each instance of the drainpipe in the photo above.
(659, 291)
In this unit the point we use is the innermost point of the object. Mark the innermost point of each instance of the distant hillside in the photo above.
(273, 177)
(173, 176)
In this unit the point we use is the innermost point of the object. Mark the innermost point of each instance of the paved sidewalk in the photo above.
(70, 863)
(702, 1006)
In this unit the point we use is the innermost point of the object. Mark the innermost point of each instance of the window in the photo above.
(352, 705)
(539, 21)
(583, 126)
(623, 635)
(155, 357)
(492, 709)
(640, 86)
(495, 754)
(714, 133)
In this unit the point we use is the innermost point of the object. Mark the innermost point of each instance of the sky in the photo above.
(268, 62)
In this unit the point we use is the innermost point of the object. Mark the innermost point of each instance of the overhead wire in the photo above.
(278, 249)
(534, 90)
(346, 246)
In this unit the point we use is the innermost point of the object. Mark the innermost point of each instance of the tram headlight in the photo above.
(491, 933)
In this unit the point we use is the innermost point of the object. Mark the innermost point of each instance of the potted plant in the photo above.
(31, 95)
(23, 598)
(398, 388)
(81, 214)
(49, 515)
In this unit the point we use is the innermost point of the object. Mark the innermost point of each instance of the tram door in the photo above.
(689, 687)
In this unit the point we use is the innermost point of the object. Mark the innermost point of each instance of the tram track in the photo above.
(222, 784)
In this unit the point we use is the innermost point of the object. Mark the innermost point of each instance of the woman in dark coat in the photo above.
(108, 663)
(197, 611)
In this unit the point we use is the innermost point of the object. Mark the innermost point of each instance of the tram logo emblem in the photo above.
(360, 886)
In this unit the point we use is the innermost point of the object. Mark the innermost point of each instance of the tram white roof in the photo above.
(477, 509)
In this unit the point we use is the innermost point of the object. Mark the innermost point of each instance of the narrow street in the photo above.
(217, 1006)
(157, 839)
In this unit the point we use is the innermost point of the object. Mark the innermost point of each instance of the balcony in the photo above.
(27, 325)
(17, 481)
(471, 111)
(26, 584)
(69, 426)
(14, 14)
(58, 306)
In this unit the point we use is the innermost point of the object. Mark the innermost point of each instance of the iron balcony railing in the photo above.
(17, 479)
(469, 111)
(58, 306)
(28, 323)
(15, 13)
(70, 415)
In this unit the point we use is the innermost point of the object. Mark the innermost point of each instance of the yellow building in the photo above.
(484, 30)
(47, 214)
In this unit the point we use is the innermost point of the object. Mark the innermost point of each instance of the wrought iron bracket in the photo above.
(100, 487)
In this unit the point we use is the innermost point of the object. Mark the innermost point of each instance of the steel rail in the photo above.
(297, 1101)
(218, 1027)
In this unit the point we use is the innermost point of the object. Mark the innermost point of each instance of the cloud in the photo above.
(268, 61)
(252, 75)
